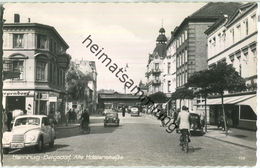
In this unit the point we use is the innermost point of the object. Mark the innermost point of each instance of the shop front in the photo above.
(18, 101)
(241, 110)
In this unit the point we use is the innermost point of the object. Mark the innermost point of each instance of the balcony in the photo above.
(156, 71)
(156, 82)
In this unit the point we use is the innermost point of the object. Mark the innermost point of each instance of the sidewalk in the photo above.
(240, 137)
(235, 136)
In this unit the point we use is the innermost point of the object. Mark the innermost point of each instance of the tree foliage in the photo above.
(76, 82)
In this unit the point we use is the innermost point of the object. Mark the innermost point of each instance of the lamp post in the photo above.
(126, 66)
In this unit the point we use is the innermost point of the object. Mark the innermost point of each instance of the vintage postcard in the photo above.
(129, 84)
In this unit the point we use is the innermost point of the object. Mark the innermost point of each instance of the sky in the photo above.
(126, 31)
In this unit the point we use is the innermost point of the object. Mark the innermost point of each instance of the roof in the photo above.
(209, 13)
(43, 26)
(216, 9)
(237, 13)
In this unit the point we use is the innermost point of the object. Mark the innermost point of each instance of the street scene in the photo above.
(105, 84)
(138, 141)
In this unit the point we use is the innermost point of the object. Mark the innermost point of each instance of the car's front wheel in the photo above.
(39, 146)
(6, 150)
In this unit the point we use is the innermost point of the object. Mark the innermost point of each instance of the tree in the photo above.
(182, 93)
(76, 82)
(225, 78)
(201, 80)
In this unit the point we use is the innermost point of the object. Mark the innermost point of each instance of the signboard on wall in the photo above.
(29, 105)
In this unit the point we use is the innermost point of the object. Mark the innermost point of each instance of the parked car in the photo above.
(29, 131)
(135, 111)
(195, 124)
(111, 119)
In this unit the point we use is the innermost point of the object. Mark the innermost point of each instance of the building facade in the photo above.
(191, 44)
(155, 64)
(38, 53)
(233, 40)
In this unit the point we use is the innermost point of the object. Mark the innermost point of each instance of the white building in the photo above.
(233, 40)
(38, 52)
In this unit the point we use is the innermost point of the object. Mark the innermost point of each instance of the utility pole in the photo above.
(1, 75)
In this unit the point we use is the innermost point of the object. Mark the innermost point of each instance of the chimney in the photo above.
(16, 18)
(29, 20)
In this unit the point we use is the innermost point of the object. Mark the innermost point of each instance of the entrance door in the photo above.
(15, 102)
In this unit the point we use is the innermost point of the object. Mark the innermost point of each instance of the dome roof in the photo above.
(161, 38)
(162, 30)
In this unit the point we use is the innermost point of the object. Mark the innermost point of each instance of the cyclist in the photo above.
(184, 123)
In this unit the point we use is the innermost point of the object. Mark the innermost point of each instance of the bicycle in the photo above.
(184, 139)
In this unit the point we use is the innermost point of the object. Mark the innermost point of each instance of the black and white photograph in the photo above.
(129, 83)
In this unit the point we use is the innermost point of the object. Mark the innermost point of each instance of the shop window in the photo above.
(18, 41)
(41, 74)
(41, 41)
(247, 113)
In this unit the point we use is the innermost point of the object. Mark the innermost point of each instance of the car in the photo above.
(29, 131)
(195, 124)
(111, 119)
(135, 111)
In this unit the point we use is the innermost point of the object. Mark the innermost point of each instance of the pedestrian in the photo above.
(123, 111)
(9, 116)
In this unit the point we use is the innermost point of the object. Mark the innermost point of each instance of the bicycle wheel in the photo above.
(186, 144)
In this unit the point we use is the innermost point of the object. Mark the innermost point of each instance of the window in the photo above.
(169, 68)
(41, 41)
(55, 47)
(186, 55)
(169, 86)
(186, 34)
(51, 45)
(239, 31)
(41, 71)
(233, 35)
(246, 26)
(156, 65)
(18, 67)
(214, 41)
(18, 41)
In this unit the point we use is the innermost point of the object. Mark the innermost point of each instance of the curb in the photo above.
(237, 144)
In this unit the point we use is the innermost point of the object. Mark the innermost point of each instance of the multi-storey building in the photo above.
(155, 64)
(233, 40)
(38, 52)
(191, 42)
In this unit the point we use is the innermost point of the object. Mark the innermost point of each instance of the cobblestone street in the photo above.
(138, 141)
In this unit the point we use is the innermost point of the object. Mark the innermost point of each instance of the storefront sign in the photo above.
(53, 99)
(17, 93)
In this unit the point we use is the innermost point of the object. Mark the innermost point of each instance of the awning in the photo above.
(250, 102)
(229, 100)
